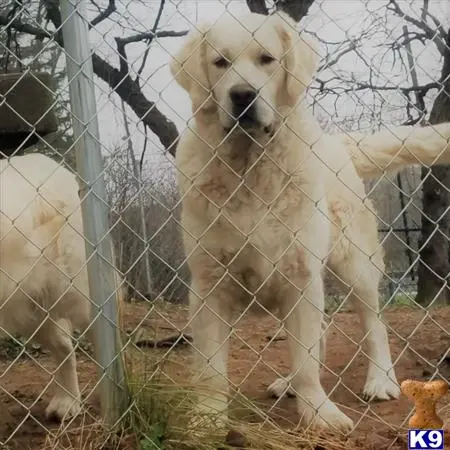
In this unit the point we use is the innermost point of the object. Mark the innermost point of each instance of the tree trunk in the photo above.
(434, 264)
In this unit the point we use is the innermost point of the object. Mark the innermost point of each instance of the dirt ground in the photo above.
(418, 343)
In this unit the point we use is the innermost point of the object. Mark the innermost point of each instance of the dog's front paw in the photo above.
(320, 412)
(381, 385)
(330, 416)
(63, 406)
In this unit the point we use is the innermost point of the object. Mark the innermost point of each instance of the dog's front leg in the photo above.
(303, 312)
(210, 322)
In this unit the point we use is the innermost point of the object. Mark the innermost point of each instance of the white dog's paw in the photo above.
(281, 387)
(63, 407)
(328, 416)
(381, 385)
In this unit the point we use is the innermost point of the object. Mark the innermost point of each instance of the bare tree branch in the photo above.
(104, 14)
(151, 35)
(435, 35)
(359, 86)
(123, 60)
(426, 13)
(130, 91)
(25, 28)
(425, 10)
(403, 40)
(148, 37)
(337, 56)
(54, 16)
(419, 104)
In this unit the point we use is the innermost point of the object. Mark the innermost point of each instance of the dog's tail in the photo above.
(392, 150)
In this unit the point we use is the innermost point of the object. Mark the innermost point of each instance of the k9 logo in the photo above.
(426, 439)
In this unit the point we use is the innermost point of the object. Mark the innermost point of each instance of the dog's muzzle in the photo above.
(243, 99)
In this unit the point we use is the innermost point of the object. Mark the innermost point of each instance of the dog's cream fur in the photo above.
(43, 278)
(264, 207)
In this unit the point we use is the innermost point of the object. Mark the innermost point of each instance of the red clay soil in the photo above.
(418, 342)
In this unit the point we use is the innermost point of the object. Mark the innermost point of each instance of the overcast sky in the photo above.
(332, 20)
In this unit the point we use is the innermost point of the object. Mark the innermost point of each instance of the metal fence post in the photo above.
(102, 284)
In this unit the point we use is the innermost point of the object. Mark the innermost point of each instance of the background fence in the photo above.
(384, 63)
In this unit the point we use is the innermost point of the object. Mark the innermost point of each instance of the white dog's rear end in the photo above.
(43, 278)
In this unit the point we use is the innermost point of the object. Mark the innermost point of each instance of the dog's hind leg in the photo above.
(362, 273)
(56, 337)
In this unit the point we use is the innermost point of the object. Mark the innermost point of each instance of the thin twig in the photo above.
(150, 35)
(149, 41)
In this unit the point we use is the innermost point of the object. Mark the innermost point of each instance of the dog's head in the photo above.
(247, 69)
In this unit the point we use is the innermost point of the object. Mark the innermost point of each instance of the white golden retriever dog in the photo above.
(43, 278)
(268, 198)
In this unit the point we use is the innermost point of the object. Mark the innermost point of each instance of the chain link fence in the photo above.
(94, 277)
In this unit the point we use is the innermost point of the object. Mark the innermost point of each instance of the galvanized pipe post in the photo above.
(102, 279)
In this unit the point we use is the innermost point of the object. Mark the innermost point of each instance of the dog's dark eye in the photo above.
(266, 59)
(221, 63)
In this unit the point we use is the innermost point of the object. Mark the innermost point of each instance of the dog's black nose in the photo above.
(242, 96)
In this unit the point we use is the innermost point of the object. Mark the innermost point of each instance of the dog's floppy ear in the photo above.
(188, 67)
(300, 57)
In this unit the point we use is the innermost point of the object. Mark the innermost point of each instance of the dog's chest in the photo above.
(258, 203)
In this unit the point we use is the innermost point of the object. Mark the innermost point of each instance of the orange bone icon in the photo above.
(425, 396)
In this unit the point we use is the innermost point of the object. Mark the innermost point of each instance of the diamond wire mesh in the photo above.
(363, 83)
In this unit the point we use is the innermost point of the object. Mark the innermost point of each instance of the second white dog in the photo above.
(43, 280)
